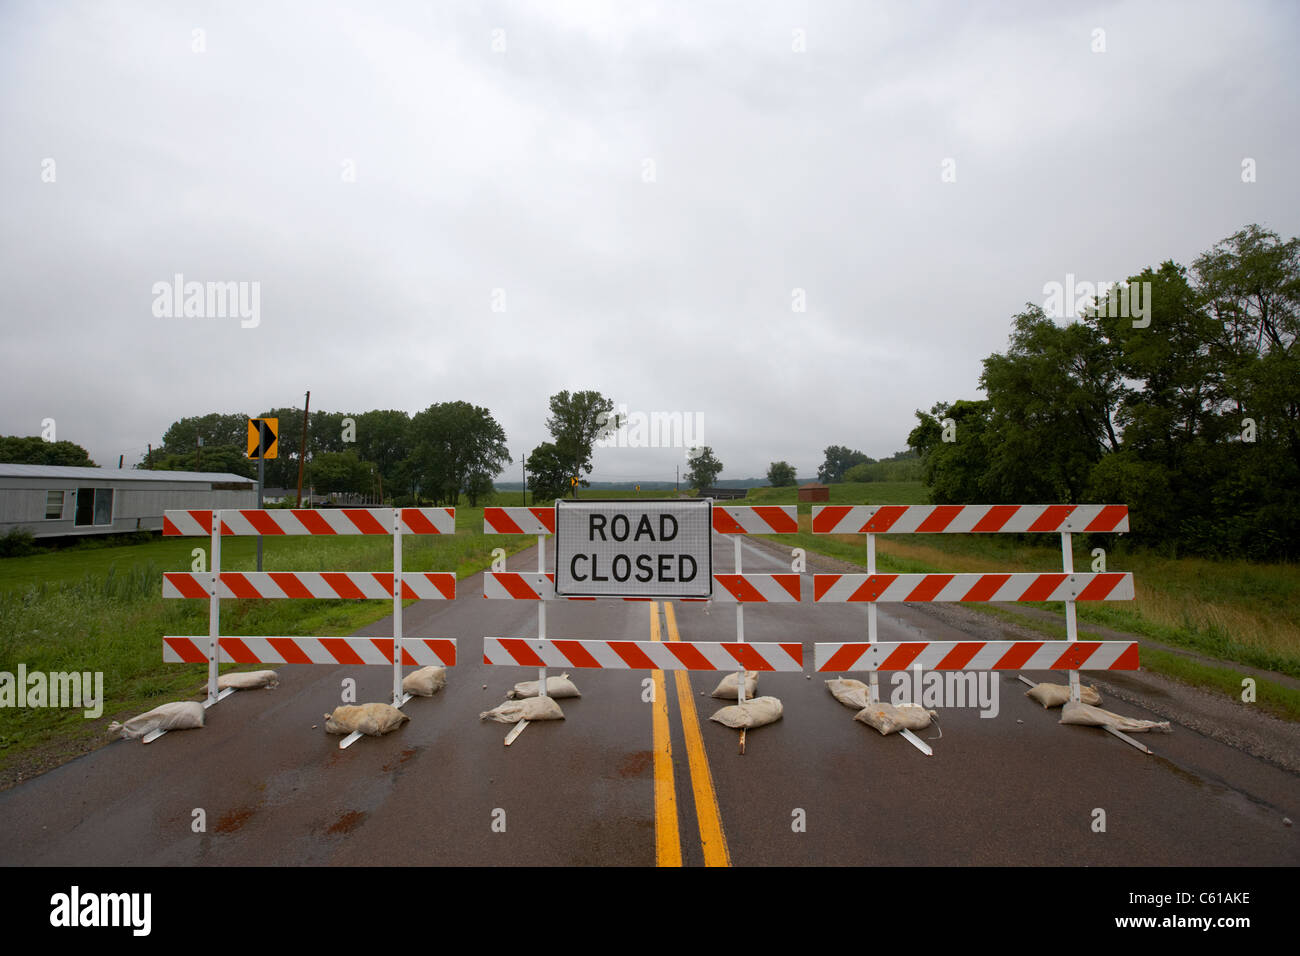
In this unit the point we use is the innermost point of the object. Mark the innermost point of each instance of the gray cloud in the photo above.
(523, 170)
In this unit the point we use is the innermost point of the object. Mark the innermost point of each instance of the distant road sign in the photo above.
(263, 437)
(634, 549)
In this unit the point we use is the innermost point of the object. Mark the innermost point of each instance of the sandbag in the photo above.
(729, 688)
(752, 713)
(891, 718)
(555, 687)
(1090, 716)
(425, 682)
(850, 692)
(180, 715)
(373, 720)
(248, 680)
(530, 708)
(1056, 695)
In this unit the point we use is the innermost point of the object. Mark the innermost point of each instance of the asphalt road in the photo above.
(815, 788)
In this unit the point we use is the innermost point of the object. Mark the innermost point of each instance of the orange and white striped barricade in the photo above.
(739, 520)
(873, 588)
(396, 585)
(738, 588)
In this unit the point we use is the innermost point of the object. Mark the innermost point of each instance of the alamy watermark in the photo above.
(947, 689)
(624, 429)
(57, 689)
(208, 300)
(1073, 299)
(76, 908)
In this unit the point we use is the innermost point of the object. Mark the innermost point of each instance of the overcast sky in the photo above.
(491, 202)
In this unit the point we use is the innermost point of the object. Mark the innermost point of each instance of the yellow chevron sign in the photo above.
(263, 437)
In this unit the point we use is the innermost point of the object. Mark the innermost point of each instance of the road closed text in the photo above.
(642, 568)
(633, 549)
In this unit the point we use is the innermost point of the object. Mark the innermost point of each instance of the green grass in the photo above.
(845, 493)
(101, 610)
(1275, 698)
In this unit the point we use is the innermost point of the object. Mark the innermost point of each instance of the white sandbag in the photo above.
(1091, 716)
(728, 689)
(850, 692)
(248, 680)
(752, 713)
(891, 718)
(1056, 695)
(530, 708)
(373, 720)
(425, 682)
(180, 715)
(555, 687)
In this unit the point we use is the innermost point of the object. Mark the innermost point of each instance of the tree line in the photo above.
(1189, 414)
(448, 450)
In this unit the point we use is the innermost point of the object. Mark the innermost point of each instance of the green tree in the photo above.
(381, 437)
(34, 450)
(839, 459)
(548, 473)
(339, 472)
(1052, 398)
(576, 422)
(704, 469)
(780, 474)
(454, 445)
(955, 470)
(216, 429)
(215, 459)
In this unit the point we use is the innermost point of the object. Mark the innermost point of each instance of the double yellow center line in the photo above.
(713, 841)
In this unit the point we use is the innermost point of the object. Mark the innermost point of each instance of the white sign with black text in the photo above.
(634, 548)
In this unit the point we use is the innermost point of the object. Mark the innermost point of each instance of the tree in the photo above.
(381, 437)
(781, 474)
(839, 460)
(955, 470)
(704, 468)
(216, 459)
(548, 473)
(216, 429)
(576, 422)
(333, 472)
(1052, 396)
(34, 450)
(454, 444)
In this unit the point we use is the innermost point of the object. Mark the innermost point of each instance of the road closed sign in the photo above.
(634, 548)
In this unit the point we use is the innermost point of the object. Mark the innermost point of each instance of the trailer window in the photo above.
(103, 506)
(94, 506)
(53, 504)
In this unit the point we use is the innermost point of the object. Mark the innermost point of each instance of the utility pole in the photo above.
(523, 467)
(302, 446)
(198, 453)
(677, 484)
(148, 458)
